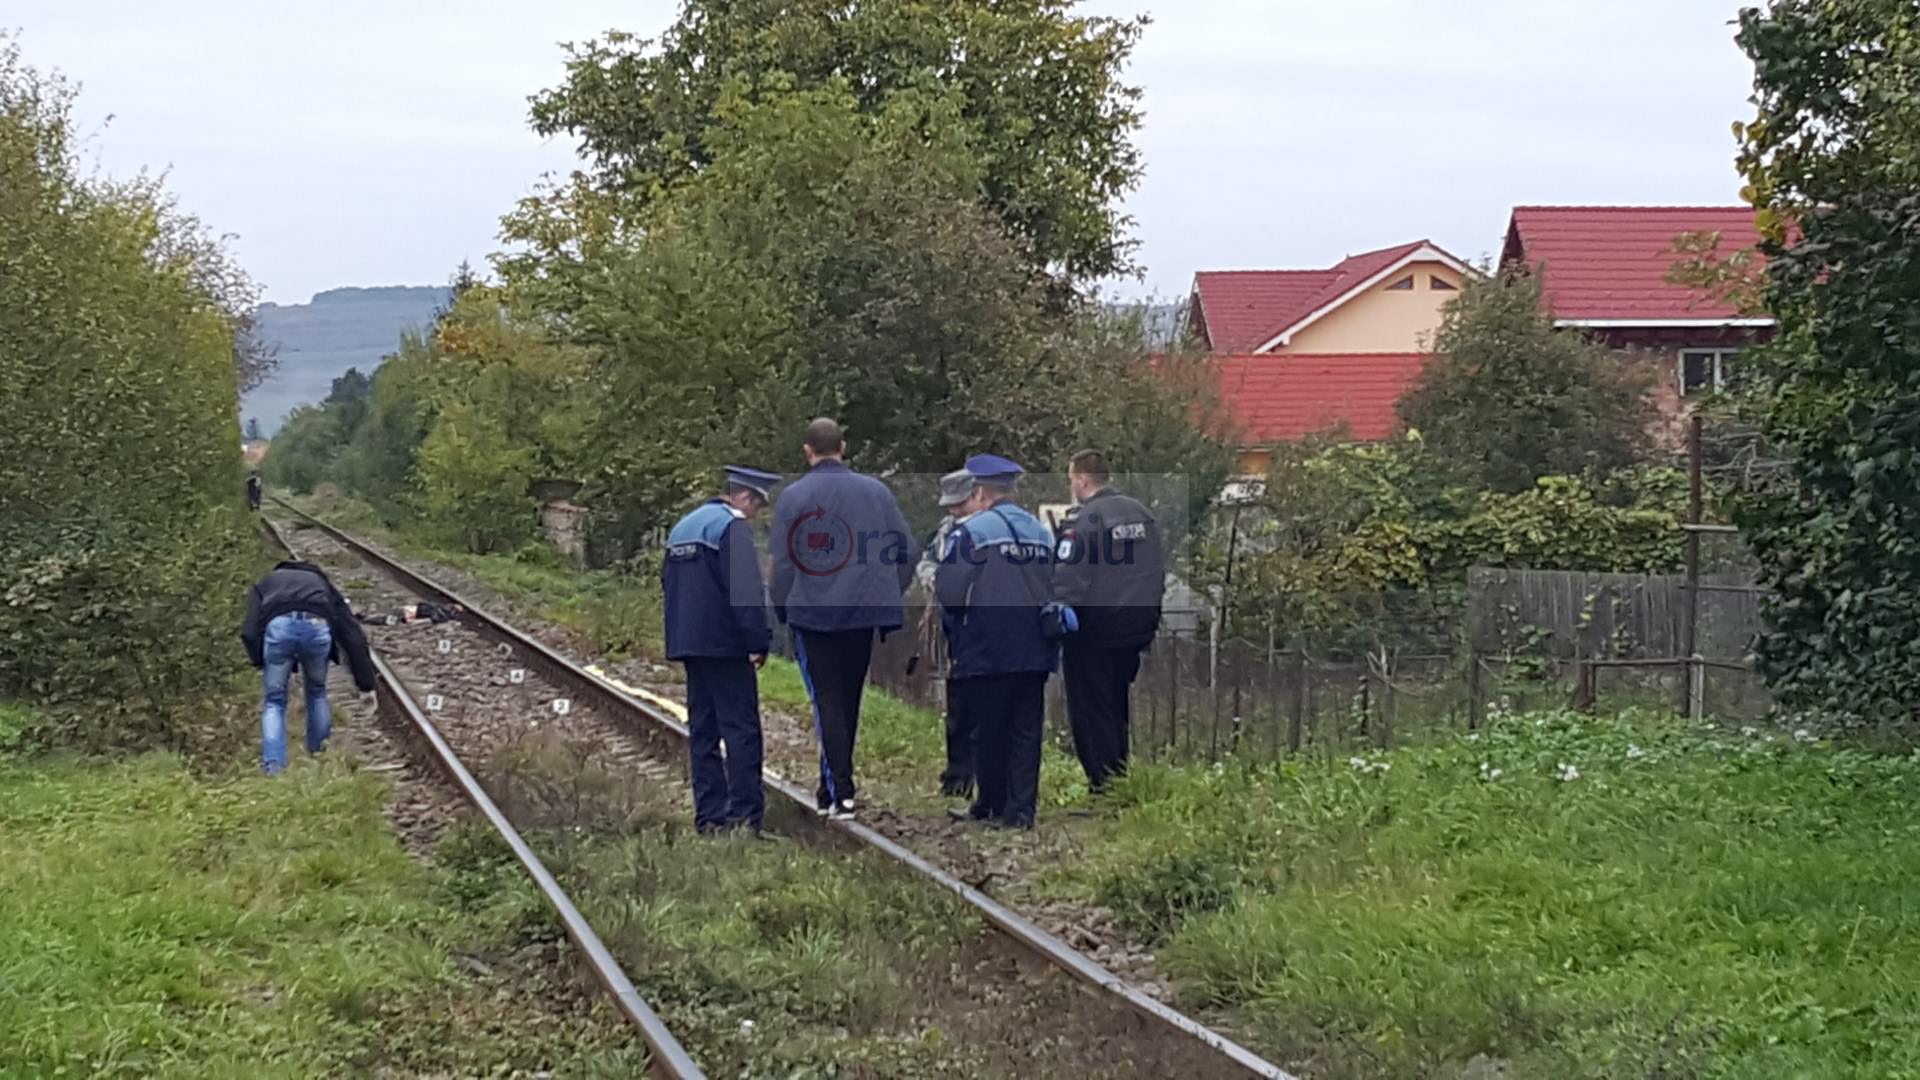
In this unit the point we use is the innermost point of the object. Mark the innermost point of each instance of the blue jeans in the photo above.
(304, 640)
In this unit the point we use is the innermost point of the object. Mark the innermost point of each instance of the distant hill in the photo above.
(320, 340)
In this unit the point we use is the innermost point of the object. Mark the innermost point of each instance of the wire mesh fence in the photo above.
(1515, 641)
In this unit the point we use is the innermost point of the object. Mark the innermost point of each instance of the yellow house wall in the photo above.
(1255, 462)
(1381, 321)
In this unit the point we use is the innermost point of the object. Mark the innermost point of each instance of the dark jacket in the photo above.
(716, 607)
(842, 552)
(928, 572)
(992, 582)
(1112, 570)
(299, 586)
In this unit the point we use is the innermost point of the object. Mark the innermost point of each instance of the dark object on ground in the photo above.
(433, 613)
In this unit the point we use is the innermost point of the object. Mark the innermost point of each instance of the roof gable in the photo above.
(1608, 265)
(1257, 310)
(1241, 308)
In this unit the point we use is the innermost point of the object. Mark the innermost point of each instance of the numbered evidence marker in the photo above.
(434, 702)
(446, 645)
(561, 706)
(517, 676)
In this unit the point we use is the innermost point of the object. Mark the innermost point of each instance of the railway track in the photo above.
(479, 694)
(667, 1058)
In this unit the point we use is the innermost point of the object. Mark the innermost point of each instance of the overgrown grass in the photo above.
(158, 924)
(620, 611)
(772, 958)
(1569, 896)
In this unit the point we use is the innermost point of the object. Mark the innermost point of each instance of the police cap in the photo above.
(992, 467)
(758, 481)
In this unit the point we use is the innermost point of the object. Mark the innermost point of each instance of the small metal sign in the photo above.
(434, 702)
(446, 645)
(517, 676)
(561, 706)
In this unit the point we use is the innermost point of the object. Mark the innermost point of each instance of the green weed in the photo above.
(1568, 896)
(159, 924)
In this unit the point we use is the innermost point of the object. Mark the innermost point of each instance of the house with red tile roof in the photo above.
(1306, 351)
(1605, 270)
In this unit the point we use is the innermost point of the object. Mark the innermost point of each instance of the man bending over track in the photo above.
(296, 617)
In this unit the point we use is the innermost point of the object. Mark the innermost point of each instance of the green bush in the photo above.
(124, 547)
(1832, 159)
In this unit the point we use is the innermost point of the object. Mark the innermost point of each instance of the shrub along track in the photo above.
(567, 756)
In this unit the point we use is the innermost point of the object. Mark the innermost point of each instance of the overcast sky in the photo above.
(368, 142)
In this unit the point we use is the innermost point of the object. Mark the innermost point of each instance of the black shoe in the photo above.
(842, 810)
(1013, 824)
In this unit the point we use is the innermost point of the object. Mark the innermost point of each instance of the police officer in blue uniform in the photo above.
(716, 614)
(993, 579)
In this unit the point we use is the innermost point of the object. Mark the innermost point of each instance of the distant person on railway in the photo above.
(994, 580)
(253, 491)
(956, 490)
(296, 618)
(1112, 571)
(716, 614)
(843, 556)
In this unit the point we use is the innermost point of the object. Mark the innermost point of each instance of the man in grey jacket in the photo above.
(956, 490)
(843, 556)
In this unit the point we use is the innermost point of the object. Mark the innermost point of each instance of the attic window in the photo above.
(1440, 284)
(1405, 284)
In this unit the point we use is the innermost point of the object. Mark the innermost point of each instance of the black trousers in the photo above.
(958, 778)
(1008, 712)
(723, 706)
(834, 666)
(1099, 678)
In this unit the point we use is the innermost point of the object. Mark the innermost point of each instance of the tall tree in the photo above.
(459, 283)
(1507, 398)
(831, 260)
(1832, 158)
(1043, 105)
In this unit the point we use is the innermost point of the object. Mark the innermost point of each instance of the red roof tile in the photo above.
(1611, 262)
(1275, 398)
(1245, 309)
(1241, 308)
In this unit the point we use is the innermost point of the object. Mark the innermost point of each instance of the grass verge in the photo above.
(159, 924)
(1563, 896)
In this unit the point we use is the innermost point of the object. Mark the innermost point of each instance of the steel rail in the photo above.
(667, 1058)
(664, 730)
